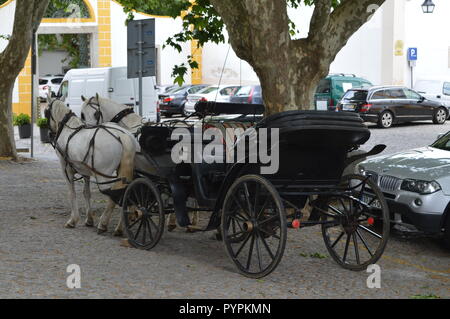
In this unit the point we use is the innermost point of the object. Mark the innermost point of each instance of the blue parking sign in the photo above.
(412, 54)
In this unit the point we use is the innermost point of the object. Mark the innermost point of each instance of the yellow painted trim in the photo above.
(24, 104)
(197, 56)
(74, 20)
(104, 33)
(6, 3)
(143, 13)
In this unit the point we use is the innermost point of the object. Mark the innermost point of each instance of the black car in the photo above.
(250, 94)
(173, 101)
(387, 105)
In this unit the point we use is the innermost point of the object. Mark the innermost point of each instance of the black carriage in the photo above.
(253, 211)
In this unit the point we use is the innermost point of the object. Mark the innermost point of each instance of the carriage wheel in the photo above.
(359, 224)
(254, 226)
(143, 214)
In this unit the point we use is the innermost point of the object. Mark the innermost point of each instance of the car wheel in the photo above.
(386, 120)
(440, 116)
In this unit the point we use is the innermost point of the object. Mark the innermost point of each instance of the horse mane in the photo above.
(60, 110)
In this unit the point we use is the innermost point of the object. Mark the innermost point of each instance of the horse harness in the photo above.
(54, 136)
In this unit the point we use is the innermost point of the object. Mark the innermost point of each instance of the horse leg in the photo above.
(106, 217)
(87, 198)
(75, 214)
(172, 223)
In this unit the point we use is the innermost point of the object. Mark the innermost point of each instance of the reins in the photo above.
(64, 124)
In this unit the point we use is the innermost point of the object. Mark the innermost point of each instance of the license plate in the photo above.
(375, 203)
(349, 107)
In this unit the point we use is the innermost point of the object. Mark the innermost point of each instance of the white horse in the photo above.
(97, 152)
(97, 110)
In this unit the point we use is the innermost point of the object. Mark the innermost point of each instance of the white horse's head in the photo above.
(55, 112)
(97, 110)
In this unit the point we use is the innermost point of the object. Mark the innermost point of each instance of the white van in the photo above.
(434, 90)
(110, 83)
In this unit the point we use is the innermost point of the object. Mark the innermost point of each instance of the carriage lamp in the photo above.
(428, 6)
(420, 187)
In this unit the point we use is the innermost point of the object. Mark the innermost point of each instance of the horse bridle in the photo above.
(49, 116)
(98, 115)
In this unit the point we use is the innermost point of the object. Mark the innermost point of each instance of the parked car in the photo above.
(331, 90)
(250, 94)
(161, 89)
(435, 90)
(221, 93)
(49, 84)
(173, 102)
(110, 83)
(387, 105)
(416, 185)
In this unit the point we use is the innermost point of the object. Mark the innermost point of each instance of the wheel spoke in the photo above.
(236, 234)
(139, 229)
(247, 199)
(258, 251)
(364, 242)
(150, 233)
(346, 248)
(237, 201)
(355, 243)
(144, 219)
(263, 208)
(269, 234)
(242, 246)
(250, 253)
(335, 210)
(338, 239)
(153, 223)
(268, 220)
(267, 246)
(370, 231)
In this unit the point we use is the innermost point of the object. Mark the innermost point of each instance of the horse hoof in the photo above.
(101, 231)
(171, 228)
(69, 225)
(118, 233)
(89, 224)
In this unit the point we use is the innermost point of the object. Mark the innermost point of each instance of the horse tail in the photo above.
(126, 168)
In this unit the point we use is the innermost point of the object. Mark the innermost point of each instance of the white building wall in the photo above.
(430, 34)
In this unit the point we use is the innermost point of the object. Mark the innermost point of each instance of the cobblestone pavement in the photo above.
(35, 249)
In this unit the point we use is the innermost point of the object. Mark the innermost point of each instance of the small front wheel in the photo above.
(356, 224)
(143, 214)
(254, 226)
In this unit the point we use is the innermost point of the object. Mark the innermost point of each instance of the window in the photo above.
(67, 9)
(324, 87)
(57, 81)
(380, 95)
(43, 82)
(244, 91)
(446, 90)
(209, 90)
(396, 94)
(195, 89)
(229, 90)
(411, 95)
(356, 95)
(64, 90)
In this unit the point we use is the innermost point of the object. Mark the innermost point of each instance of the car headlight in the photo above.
(421, 187)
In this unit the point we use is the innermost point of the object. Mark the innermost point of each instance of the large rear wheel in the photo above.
(254, 226)
(358, 223)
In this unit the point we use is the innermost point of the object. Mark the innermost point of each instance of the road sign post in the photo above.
(412, 58)
(141, 53)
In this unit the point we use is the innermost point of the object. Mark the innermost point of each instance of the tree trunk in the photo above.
(27, 17)
(290, 70)
(7, 143)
